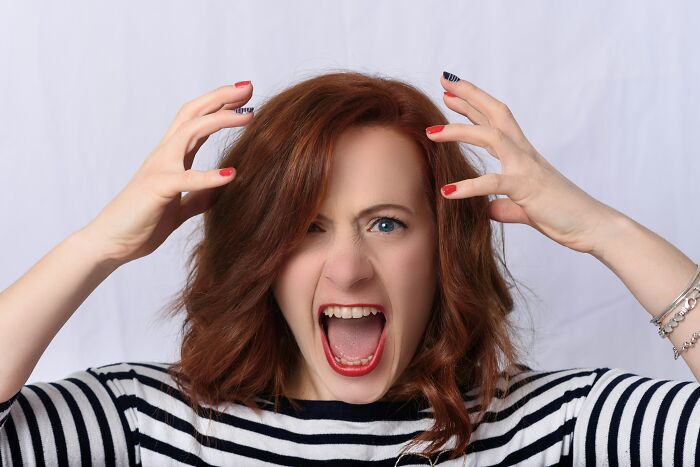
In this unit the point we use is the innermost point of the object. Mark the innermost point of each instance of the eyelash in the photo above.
(376, 221)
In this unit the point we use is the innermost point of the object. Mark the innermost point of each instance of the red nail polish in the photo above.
(240, 84)
(226, 172)
(447, 189)
(434, 129)
(449, 94)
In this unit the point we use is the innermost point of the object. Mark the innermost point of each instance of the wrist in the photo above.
(614, 227)
(96, 247)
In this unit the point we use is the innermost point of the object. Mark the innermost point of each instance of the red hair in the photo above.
(283, 159)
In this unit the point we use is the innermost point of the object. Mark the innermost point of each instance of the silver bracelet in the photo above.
(657, 319)
(689, 304)
(686, 345)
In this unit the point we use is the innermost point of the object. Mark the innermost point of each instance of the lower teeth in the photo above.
(363, 361)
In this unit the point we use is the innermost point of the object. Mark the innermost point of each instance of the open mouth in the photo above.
(353, 337)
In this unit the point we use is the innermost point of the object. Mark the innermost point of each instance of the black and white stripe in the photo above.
(133, 414)
(450, 77)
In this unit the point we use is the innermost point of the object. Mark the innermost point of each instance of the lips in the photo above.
(339, 367)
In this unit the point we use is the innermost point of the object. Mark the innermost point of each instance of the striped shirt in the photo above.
(132, 414)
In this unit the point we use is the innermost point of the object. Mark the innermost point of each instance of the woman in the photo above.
(345, 306)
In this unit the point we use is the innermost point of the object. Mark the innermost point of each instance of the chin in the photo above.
(358, 392)
(359, 389)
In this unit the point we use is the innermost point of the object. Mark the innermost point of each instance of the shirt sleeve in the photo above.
(628, 419)
(80, 420)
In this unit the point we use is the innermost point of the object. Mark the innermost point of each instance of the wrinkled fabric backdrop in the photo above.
(608, 92)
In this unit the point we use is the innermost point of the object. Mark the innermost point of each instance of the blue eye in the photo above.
(383, 222)
(388, 221)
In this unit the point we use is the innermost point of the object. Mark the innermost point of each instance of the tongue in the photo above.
(355, 338)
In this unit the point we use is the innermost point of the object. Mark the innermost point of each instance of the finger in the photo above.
(505, 210)
(497, 143)
(463, 107)
(497, 113)
(488, 184)
(192, 134)
(169, 185)
(210, 102)
(194, 203)
(189, 157)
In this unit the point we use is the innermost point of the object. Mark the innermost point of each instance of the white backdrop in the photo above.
(608, 92)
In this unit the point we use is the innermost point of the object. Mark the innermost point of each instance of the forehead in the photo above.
(376, 164)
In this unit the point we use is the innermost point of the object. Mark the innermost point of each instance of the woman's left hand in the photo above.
(538, 194)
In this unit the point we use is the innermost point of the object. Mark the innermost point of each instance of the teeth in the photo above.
(363, 361)
(347, 312)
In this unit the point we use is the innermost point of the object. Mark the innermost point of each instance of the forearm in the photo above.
(654, 271)
(35, 307)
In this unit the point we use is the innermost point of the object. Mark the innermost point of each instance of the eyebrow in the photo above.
(375, 208)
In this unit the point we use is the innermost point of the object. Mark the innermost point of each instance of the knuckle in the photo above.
(492, 179)
(186, 108)
(187, 132)
(498, 135)
(503, 109)
(190, 176)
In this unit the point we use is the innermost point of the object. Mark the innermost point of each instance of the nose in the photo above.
(347, 264)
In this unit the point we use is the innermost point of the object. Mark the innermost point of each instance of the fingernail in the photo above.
(447, 189)
(449, 94)
(434, 129)
(240, 84)
(243, 110)
(226, 172)
(449, 76)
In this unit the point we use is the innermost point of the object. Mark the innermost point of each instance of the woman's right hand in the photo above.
(151, 206)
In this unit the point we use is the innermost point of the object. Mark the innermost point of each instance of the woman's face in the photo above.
(356, 257)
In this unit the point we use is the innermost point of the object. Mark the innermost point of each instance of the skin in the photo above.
(368, 260)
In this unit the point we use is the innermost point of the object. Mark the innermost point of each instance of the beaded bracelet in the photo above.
(671, 324)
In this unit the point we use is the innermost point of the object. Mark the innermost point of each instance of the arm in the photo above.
(86, 418)
(540, 196)
(38, 304)
(653, 270)
(134, 224)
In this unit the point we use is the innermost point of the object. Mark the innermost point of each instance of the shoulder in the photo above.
(518, 381)
(145, 380)
(534, 394)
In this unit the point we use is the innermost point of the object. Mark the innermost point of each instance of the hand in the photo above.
(137, 221)
(537, 194)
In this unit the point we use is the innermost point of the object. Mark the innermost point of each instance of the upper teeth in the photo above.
(349, 311)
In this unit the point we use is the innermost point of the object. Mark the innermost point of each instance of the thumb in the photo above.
(505, 210)
(195, 202)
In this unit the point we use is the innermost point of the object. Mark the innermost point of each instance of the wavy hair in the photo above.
(283, 159)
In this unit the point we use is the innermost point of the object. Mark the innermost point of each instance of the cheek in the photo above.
(294, 291)
(411, 284)
(413, 272)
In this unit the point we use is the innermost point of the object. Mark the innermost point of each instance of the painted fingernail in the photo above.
(447, 189)
(241, 84)
(243, 110)
(226, 172)
(449, 94)
(449, 76)
(434, 129)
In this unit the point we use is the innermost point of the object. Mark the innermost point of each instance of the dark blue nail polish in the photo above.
(449, 76)
(244, 110)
